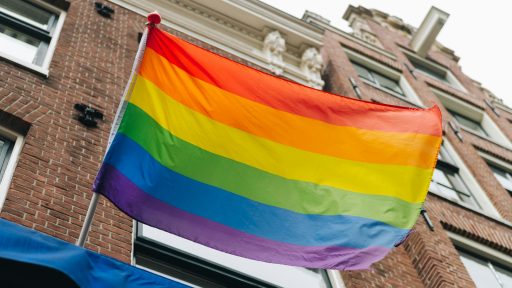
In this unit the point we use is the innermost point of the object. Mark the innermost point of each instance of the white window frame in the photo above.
(480, 249)
(475, 189)
(334, 277)
(496, 162)
(6, 179)
(42, 69)
(409, 95)
(477, 115)
(448, 75)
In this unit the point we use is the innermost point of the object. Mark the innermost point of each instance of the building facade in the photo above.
(63, 68)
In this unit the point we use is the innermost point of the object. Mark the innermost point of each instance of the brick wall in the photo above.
(428, 258)
(51, 186)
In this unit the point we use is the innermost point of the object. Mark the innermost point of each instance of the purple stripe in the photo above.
(149, 210)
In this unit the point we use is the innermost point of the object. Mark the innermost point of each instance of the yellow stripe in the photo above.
(405, 182)
(301, 132)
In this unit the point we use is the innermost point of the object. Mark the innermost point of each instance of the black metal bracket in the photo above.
(427, 219)
(355, 87)
(89, 115)
(103, 9)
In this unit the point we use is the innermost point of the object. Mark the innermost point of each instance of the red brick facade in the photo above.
(51, 187)
(428, 258)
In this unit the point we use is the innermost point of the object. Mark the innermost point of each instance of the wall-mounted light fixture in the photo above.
(103, 9)
(89, 115)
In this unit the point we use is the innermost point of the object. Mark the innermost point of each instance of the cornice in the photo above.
(239, 27)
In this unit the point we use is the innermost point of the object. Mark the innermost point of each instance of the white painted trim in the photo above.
(480, 249)
(335, 278)
(53, 44)
(28, 65)
(5, 182)
(410, 96)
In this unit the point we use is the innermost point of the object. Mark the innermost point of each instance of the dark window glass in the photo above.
(429, 71)
(469, 123)
(378, 79)
(5, 152)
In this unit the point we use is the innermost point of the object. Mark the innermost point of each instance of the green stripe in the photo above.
(299, 196)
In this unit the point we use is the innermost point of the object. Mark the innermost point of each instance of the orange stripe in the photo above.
(289, 96)
(299, 132)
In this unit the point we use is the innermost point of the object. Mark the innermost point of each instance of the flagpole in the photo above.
(153, 19)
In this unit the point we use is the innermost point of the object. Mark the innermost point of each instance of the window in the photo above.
(5, 152)
(472, 119)
(10, 148)
(487, 267)
(469, 123)
(378, 79)
(382, 77)
(486, 273)
(28, 33)
(196, 264)
(503, 176)
(434, 70)
(502, 170)
(447, 181)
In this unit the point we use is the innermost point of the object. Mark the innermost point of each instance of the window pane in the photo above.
(440, 184)
(505, 276)
(501, 176)
(26, 12)
(17, 44)
(5, 147)
(363, 72)
(281, 275)
(388, 83)
(479, 271)
(429, 71)
(469, 123)
(444, 155)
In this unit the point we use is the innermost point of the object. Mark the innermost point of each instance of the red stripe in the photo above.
(289, 96)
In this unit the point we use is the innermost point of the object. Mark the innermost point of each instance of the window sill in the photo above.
(473, 209)
(394, 94)
(25, 65)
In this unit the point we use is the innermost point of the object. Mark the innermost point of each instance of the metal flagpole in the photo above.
(153, 18)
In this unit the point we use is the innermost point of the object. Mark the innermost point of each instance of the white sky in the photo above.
(478, 31)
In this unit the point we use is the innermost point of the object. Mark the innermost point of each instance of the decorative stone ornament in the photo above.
(273, 47)
(312, 65)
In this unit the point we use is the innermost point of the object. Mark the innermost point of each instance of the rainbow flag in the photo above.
(264, 168)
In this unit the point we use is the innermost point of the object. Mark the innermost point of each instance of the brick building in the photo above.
(55, 54)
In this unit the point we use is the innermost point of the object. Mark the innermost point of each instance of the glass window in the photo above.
(469, 123)
(503, 176)
(447, 181)
(439, 75)
(5, 152)
(200, 265)
(378, 79)
(486, 273)
(25, 30)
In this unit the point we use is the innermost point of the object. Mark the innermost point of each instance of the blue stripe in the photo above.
(244, 214)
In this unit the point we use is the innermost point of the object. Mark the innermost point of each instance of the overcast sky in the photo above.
(478, 31)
